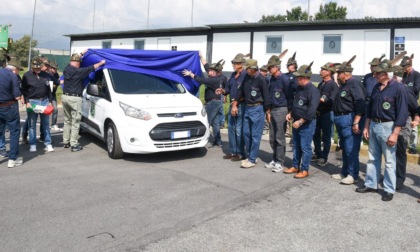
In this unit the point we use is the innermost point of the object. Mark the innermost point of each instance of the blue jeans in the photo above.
(302, 151)
(253, 129)
(222, 115)
(378, 135)
(212, 109)
(235, 133)
(413, 138)
(9, 116)
(3, 138)
(45, 120)
(277, 133)
(323, 135)
(349, 143)
(25, 129)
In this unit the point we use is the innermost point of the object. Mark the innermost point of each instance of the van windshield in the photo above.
(136, 83)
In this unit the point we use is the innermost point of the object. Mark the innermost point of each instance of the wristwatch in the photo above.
(355, 123)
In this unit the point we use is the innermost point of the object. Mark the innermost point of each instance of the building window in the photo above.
(139, 44)
(332, 43)
(106, 44)
(274, 44)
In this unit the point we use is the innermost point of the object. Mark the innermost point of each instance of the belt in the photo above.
(340, 114)
(75, 95)
(378, 120)
(4, 104)
(254, 104)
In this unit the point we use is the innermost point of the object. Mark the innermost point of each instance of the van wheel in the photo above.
(113, 142)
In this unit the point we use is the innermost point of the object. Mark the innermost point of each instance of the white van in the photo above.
(140, 113)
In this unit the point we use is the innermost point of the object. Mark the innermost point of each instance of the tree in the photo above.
(331, 11)
(20, 47)
(295, 14)
(272, 18)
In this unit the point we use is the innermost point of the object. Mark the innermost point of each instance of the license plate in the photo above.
(180, 134)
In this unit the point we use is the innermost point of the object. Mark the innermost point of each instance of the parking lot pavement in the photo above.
(193, 201)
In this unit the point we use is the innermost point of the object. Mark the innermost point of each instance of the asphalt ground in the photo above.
(193, 201)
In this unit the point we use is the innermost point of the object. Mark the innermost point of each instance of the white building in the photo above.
(318, 41)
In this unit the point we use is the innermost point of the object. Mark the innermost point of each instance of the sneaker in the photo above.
(32, 148)
(213, 145)
(13, 163)
(277, 168)
(347, 180)
(56, 128)
(237, 158)
(76, 148)
(4, 153)
(49, 148)
(41, 140)
(315, 158)
(338, 176)
(247, 164)
(270, 165)
(322, 162)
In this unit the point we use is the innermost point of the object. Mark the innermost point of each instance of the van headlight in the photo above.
(203, 111)
(134, 112)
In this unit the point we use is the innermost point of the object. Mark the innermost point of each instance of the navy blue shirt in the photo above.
(254, 90)
(234, 83)
(73, 79)
(9, 86)
(293, 87)
(369, 81)
(278, 88)
(328, 91)
(389, 104)
(36, 86)
(412, 80)
(350, 98)
(306, 102)
(212, 83)
(412, 102)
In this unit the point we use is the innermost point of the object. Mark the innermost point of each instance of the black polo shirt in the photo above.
(212, 83)
(278, 88)
(9, 86)
(36, 86)
(254, 90)
(306, 102)
(293, 86)
(412, 80)
(233, 84)
(389, 104)
(350, 98)
(73, 79)
(328, 90)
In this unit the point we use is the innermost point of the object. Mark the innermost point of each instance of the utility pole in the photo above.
(93, 21)
(192, 9)
(309, 3)
(148, 13)
(32, 34)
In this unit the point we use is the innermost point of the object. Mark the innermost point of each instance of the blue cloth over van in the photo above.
(165, 64)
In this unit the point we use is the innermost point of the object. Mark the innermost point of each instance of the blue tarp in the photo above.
(165, 64)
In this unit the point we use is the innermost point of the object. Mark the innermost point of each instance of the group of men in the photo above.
(37, 92)
(382, 108)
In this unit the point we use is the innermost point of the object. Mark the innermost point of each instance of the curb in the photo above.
(411, 158)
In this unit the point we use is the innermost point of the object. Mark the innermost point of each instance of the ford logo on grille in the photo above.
(179, 115)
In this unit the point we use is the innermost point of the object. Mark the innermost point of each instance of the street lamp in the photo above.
(32, 34)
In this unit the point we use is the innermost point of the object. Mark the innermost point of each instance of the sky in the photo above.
(55, 18)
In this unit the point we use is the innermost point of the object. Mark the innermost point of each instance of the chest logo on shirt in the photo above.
(324, 97)
(410, 84)
(344, 93)
(253, 93)
(386, 105)
(300, 103)
(277, 94)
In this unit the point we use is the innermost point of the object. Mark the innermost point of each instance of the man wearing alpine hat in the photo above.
(278, 88)
(254, 91)
(386, 114)
(349, 108)
(303, 113)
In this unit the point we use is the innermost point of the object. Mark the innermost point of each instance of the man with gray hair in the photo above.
(9, 109)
